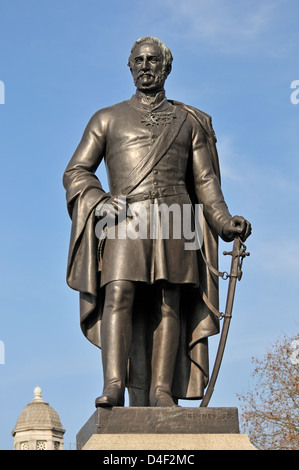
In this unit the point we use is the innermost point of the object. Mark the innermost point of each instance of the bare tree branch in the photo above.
(270, 411)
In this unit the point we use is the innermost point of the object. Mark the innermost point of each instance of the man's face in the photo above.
(147, 68)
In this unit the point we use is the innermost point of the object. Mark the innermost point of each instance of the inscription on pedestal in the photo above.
(216, 416)
(150, 420)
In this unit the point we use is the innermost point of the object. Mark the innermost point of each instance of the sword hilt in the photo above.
(238, 251)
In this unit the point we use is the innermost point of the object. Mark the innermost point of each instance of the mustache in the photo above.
(145, 73)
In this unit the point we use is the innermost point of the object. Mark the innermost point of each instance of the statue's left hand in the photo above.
(237, 225)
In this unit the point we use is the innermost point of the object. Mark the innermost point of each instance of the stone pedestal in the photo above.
(174, 428)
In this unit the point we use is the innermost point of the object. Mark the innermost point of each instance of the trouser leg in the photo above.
(165, 345)
(140, 351)
(116, 332)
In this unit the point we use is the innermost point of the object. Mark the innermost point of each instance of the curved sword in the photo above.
(238, 254)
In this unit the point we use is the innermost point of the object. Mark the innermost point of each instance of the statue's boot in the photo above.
(116, 339)
(165, 346)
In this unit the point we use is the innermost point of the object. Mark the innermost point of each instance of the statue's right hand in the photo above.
(111, 207)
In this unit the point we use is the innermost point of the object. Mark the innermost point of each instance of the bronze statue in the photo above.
(146, 302)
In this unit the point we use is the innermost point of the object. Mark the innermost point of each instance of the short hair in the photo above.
(165, 51)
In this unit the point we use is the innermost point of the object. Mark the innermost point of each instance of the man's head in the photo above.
(150, 64)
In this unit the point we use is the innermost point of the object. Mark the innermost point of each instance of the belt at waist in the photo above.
(156, 193)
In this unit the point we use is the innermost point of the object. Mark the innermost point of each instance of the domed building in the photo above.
(38, 426)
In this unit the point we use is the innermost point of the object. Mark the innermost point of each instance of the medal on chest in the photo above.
(159, 118)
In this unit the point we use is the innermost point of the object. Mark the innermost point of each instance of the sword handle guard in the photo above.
(238, 251)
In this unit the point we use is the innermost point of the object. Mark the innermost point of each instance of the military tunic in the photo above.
(123, 134)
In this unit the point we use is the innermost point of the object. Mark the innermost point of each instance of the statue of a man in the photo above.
(146, 301)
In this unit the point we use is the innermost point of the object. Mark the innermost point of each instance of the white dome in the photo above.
(38, 415)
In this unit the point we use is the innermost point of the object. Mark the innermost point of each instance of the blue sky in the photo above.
(60, 61)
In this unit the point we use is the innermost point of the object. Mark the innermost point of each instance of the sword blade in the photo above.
(226, 322)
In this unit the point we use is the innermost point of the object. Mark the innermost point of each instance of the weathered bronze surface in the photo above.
(148, 302)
